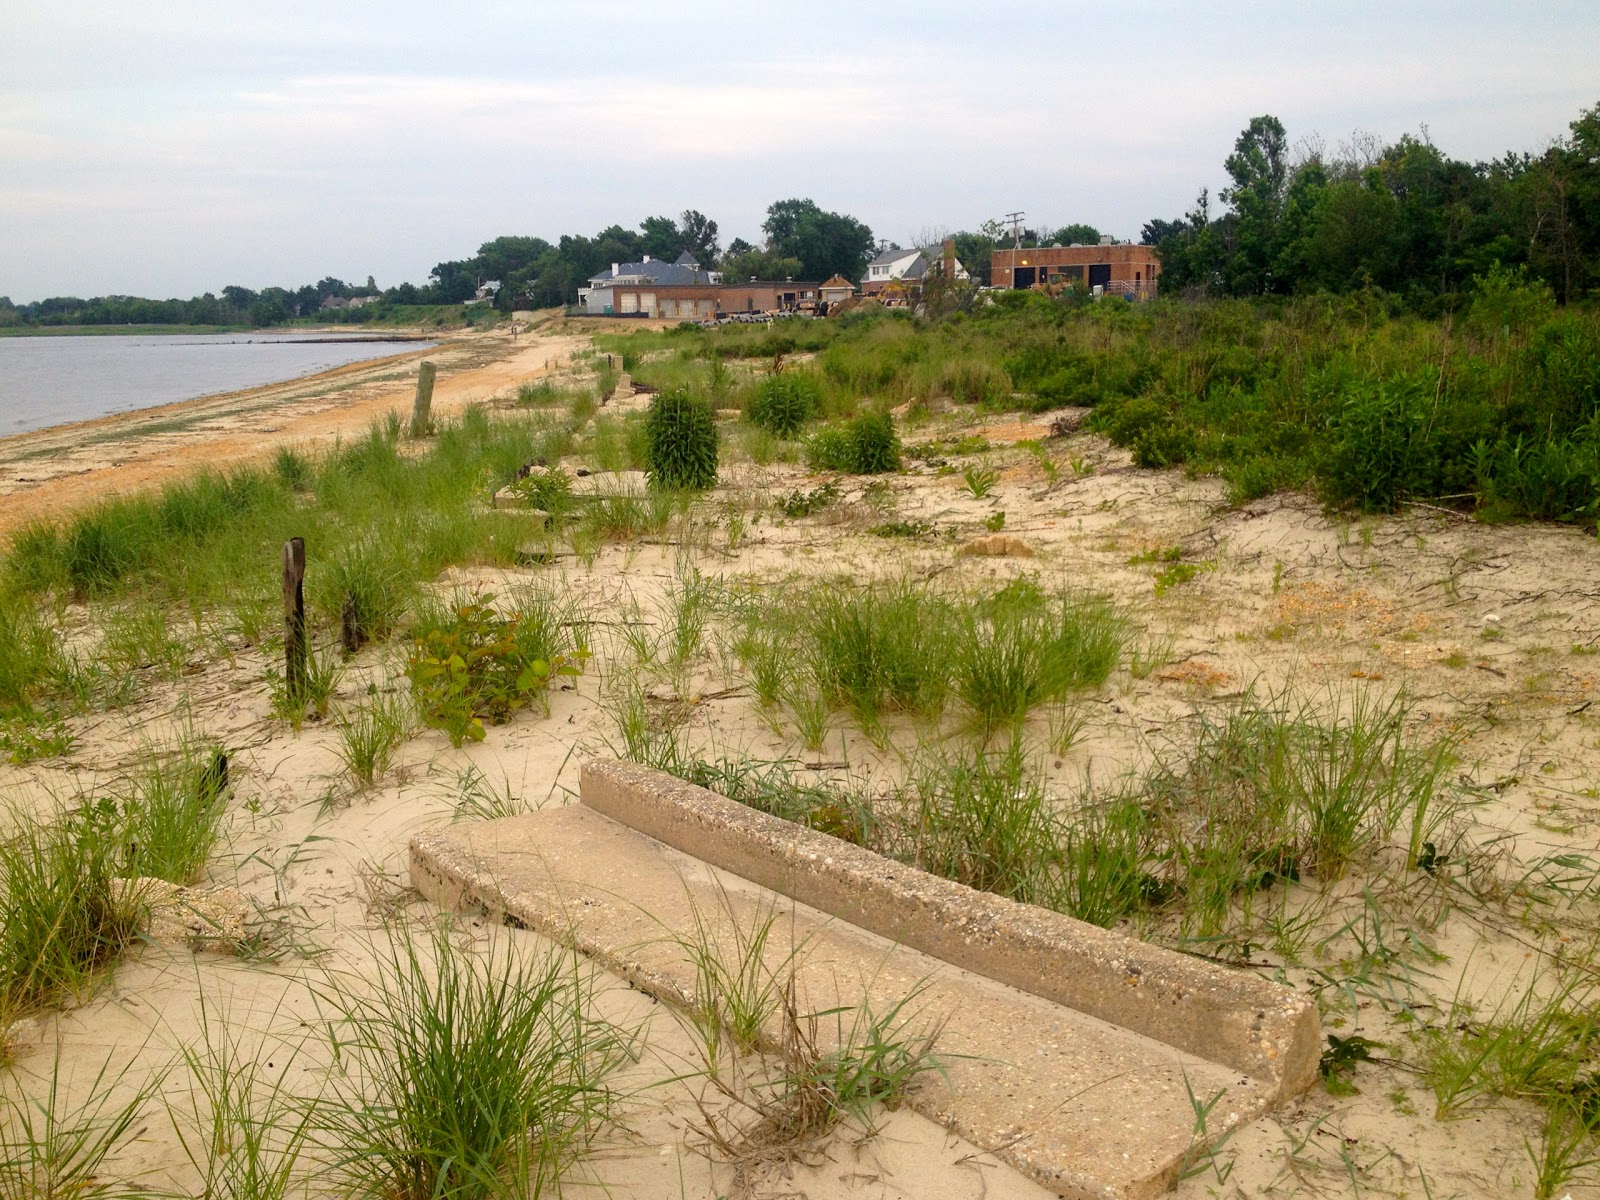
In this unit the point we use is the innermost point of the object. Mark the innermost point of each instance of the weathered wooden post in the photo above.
(421, 423)
(294, 619)
(349, 625)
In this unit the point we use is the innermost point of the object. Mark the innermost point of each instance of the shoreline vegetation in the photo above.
(1258, 626)
(1253, 733)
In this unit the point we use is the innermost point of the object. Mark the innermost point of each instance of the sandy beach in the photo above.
(53, 471)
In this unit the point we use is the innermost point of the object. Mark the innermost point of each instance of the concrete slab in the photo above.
(1263, 1029)
(1085, 1107)
(602, 485)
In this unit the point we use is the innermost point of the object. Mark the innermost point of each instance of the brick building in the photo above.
(1119, 268)
(762, 295)
(670, 301)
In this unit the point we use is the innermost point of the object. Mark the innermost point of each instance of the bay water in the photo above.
(52, 380)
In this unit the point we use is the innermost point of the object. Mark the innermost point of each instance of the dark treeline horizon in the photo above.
(1402, 218)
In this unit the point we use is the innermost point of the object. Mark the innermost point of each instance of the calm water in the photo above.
(53, 380)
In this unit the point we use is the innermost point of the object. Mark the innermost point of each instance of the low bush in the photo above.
(470, 663)
(783, 403)
(1381, 447)
(682, 436)
(866, 445)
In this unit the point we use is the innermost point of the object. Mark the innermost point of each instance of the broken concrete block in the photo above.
(998, 545)
(201, 917)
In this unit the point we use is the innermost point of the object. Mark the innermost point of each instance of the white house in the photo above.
(891, 264)
(911, 266)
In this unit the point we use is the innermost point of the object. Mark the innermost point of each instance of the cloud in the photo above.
(182, 146)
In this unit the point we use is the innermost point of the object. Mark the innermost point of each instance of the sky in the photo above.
(170, 149)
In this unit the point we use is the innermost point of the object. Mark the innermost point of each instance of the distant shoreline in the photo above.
(366, 333)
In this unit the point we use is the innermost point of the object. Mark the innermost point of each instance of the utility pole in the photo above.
(1016, 229)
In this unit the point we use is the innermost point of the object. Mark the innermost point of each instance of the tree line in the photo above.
(1403, 218)
(235, 306)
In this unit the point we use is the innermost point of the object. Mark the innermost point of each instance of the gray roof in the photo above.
(889, 256)
(655, 271)
(686, 259)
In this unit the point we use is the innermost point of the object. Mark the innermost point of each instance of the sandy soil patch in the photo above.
(1489, 630)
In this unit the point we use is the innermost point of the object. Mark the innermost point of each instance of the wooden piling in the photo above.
(421, 409)
(349, 626)
(294, 618)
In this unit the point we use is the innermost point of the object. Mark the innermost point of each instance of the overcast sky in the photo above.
(171, 148)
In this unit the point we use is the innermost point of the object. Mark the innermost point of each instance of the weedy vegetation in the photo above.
(682, 433)
(466, 1072)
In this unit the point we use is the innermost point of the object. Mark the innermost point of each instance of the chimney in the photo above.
(647, 258)
(1107, 240)
(616, 269)
(949, 258)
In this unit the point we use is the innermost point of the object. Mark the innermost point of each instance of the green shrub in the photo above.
(830, 449)
(471, 664)
(784, 403)
(550, 490)
(875, 447)
(1125, 422)
(1165, 445)
(1381, 447)
(682, 433)
(1557, 480)
(802, 504)
(867, 445)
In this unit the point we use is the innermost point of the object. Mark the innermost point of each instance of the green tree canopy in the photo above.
(659, 238)
(825, 243)
(1067, 234)
(699, 237)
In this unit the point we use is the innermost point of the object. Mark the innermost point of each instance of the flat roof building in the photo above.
(1117, 268)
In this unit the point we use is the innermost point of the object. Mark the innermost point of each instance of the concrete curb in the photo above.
(1235, 1018)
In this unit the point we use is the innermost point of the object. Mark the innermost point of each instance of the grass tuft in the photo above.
(469, 1075)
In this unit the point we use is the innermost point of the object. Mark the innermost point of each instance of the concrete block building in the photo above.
(1116, 268)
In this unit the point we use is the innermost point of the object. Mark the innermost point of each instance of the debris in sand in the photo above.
(998, 545)
(202, 918)
(19, 1034)
(1068, 422)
